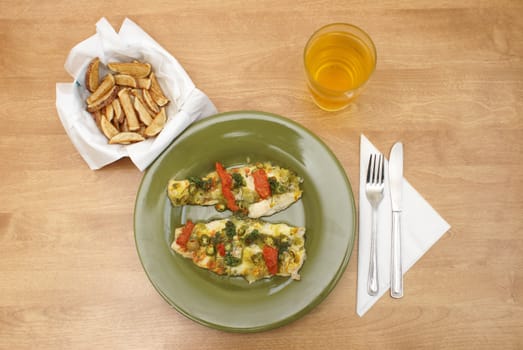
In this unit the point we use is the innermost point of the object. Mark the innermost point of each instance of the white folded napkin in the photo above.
(422, 226)
(188, 103)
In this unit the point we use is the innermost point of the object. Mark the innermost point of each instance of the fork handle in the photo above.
(372, 282)
(396, 277)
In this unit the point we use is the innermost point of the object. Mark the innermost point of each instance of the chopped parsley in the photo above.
(238, 179)
(276, 186)
(217, 238)
(231, 260)
(230, 229)
(252, 236)
(283, 246)
(201, 183)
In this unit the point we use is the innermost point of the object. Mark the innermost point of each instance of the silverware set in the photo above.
(374, 187)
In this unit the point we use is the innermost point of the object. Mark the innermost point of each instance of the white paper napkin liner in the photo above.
(188, 103)
(422, 226)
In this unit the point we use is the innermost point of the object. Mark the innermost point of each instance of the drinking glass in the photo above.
(339, 59)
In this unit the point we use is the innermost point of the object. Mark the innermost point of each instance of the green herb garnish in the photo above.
(238, 179)
(252, 236)
(230, 229)
(276, 186)
(231, 260)
(201, 183)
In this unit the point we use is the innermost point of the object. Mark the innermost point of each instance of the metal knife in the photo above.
(396, 194)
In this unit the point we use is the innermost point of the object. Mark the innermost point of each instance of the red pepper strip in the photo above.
(270, 255)
(226, 179)
(261, 183)
(220, 247)
(183, 238)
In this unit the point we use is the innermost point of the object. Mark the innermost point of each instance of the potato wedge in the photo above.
(106, 85)
(143, 114)
(157, 124)
(124, 126)
(97, 116)
(92, 75)
(126, 138)
(143, 83)
(150, 102)
(139, 94)
(117, 108)
(116, 124)
(127, 106)
(107, 128)
(125, 80)
(141, 131)
(156, 92)
(136, 92)
(104, 100)
(109, 111)
(135, 69)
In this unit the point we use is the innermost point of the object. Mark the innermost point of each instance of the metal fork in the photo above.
(374, 191)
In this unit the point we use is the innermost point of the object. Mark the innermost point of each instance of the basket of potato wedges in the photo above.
(126, 100)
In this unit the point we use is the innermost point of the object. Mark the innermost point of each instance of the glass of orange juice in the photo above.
(339, 59)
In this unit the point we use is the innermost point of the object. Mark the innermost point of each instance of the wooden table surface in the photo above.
(449, 84)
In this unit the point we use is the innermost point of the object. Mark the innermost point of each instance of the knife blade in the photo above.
(396, 195)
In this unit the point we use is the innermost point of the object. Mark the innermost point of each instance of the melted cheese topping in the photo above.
(208, 190)
(244, 249)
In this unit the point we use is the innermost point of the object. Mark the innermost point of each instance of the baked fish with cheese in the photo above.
(256, 190)
(250, 248)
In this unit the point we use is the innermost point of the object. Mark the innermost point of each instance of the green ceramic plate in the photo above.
(326, 210)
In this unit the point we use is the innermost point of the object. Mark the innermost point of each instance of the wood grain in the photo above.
(449, 84)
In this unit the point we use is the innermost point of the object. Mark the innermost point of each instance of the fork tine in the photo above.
(378, 175)
(369, 167)
(375, 169)
(382, 166)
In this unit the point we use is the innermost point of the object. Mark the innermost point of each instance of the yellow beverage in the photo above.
(339, 59)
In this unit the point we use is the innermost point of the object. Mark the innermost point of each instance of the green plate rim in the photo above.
(328, 288)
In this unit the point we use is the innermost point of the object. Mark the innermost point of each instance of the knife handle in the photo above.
(396, 273)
